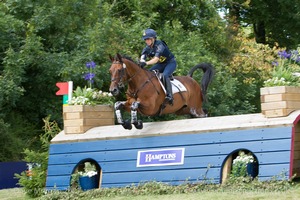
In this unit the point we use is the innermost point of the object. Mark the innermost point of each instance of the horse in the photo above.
(146, 95)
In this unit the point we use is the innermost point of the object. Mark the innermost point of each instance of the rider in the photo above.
(161, 58)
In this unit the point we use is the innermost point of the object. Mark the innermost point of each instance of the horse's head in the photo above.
(117, 73)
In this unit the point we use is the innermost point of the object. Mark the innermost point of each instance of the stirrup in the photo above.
(169, 100)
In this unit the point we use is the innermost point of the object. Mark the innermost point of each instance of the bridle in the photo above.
(121, 80)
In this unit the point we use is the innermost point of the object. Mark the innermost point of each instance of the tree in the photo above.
(272, 21)
(44, 42)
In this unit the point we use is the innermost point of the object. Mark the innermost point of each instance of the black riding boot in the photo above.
(168, 86)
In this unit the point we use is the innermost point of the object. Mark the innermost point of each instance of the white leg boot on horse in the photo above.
(168, 87)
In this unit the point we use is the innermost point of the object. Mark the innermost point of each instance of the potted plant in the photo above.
(88, 108)
(91, 96)
(244, 165)
(285, 70)
(281, 93)
(88, 177)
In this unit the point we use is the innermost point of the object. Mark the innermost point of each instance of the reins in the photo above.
(122, 74)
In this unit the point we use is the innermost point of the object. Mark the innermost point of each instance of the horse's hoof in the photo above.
(138, 124)
(127, 125)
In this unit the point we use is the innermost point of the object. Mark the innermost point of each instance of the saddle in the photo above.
(177, 86)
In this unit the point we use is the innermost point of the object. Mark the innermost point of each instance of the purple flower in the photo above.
(284, 54)
(295, 56)
(91, 65)
(89, 76)
(275, 63)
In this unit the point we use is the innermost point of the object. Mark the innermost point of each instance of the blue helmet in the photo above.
(149, 33)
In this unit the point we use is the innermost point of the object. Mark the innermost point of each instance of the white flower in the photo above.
(243, 158)
(89, 96)
(89, 173)
(296, 74)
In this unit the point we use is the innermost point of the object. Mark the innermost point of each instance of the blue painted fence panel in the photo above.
(118, 157)
(196, 150)
(167, 141)
(7, 172)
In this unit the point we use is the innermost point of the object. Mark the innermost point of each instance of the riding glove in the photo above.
(143, 64)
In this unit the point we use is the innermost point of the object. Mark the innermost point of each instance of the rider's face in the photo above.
(149, 41)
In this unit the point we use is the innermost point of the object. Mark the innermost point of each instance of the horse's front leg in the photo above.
(137, 123)
(118, 106)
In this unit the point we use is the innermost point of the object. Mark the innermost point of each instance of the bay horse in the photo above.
(146, 96)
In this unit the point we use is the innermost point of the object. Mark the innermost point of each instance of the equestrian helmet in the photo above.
(149, 33)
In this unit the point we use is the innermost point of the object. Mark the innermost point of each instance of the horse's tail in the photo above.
(208, 71)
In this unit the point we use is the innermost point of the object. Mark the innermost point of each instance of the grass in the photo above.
(13, 194)
(288, 195)
(273, 191)
(292, 194)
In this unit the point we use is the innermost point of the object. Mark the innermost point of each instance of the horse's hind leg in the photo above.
(194, 112)
(118, 106)
(137, 123)
(198, 112)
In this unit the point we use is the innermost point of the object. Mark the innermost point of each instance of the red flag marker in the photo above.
(63, 88)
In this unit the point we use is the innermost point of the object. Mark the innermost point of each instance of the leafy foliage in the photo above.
(42, 43)
(34, 181)
(158, 188)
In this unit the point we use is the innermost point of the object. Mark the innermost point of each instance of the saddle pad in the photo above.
(177, 86)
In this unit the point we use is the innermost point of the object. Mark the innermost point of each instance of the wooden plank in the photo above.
(88, 122)
(73, 129)
(58, 181)
(277, 112)
(72, 115)
(73, 122)
(98, 122)
(97, 115)
(280, 97)
(273, 170)
(279, 89)
(280, 105)
(297, 145)
(271, 157)
(60, 170)
(296, 172)
(130, 165)
(80, 108)
(189, 163)
(226, 169)
(88, 115)
(296, 154)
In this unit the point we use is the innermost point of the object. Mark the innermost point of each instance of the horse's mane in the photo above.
(129, 58)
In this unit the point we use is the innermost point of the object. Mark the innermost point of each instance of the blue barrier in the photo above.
(7, 172)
